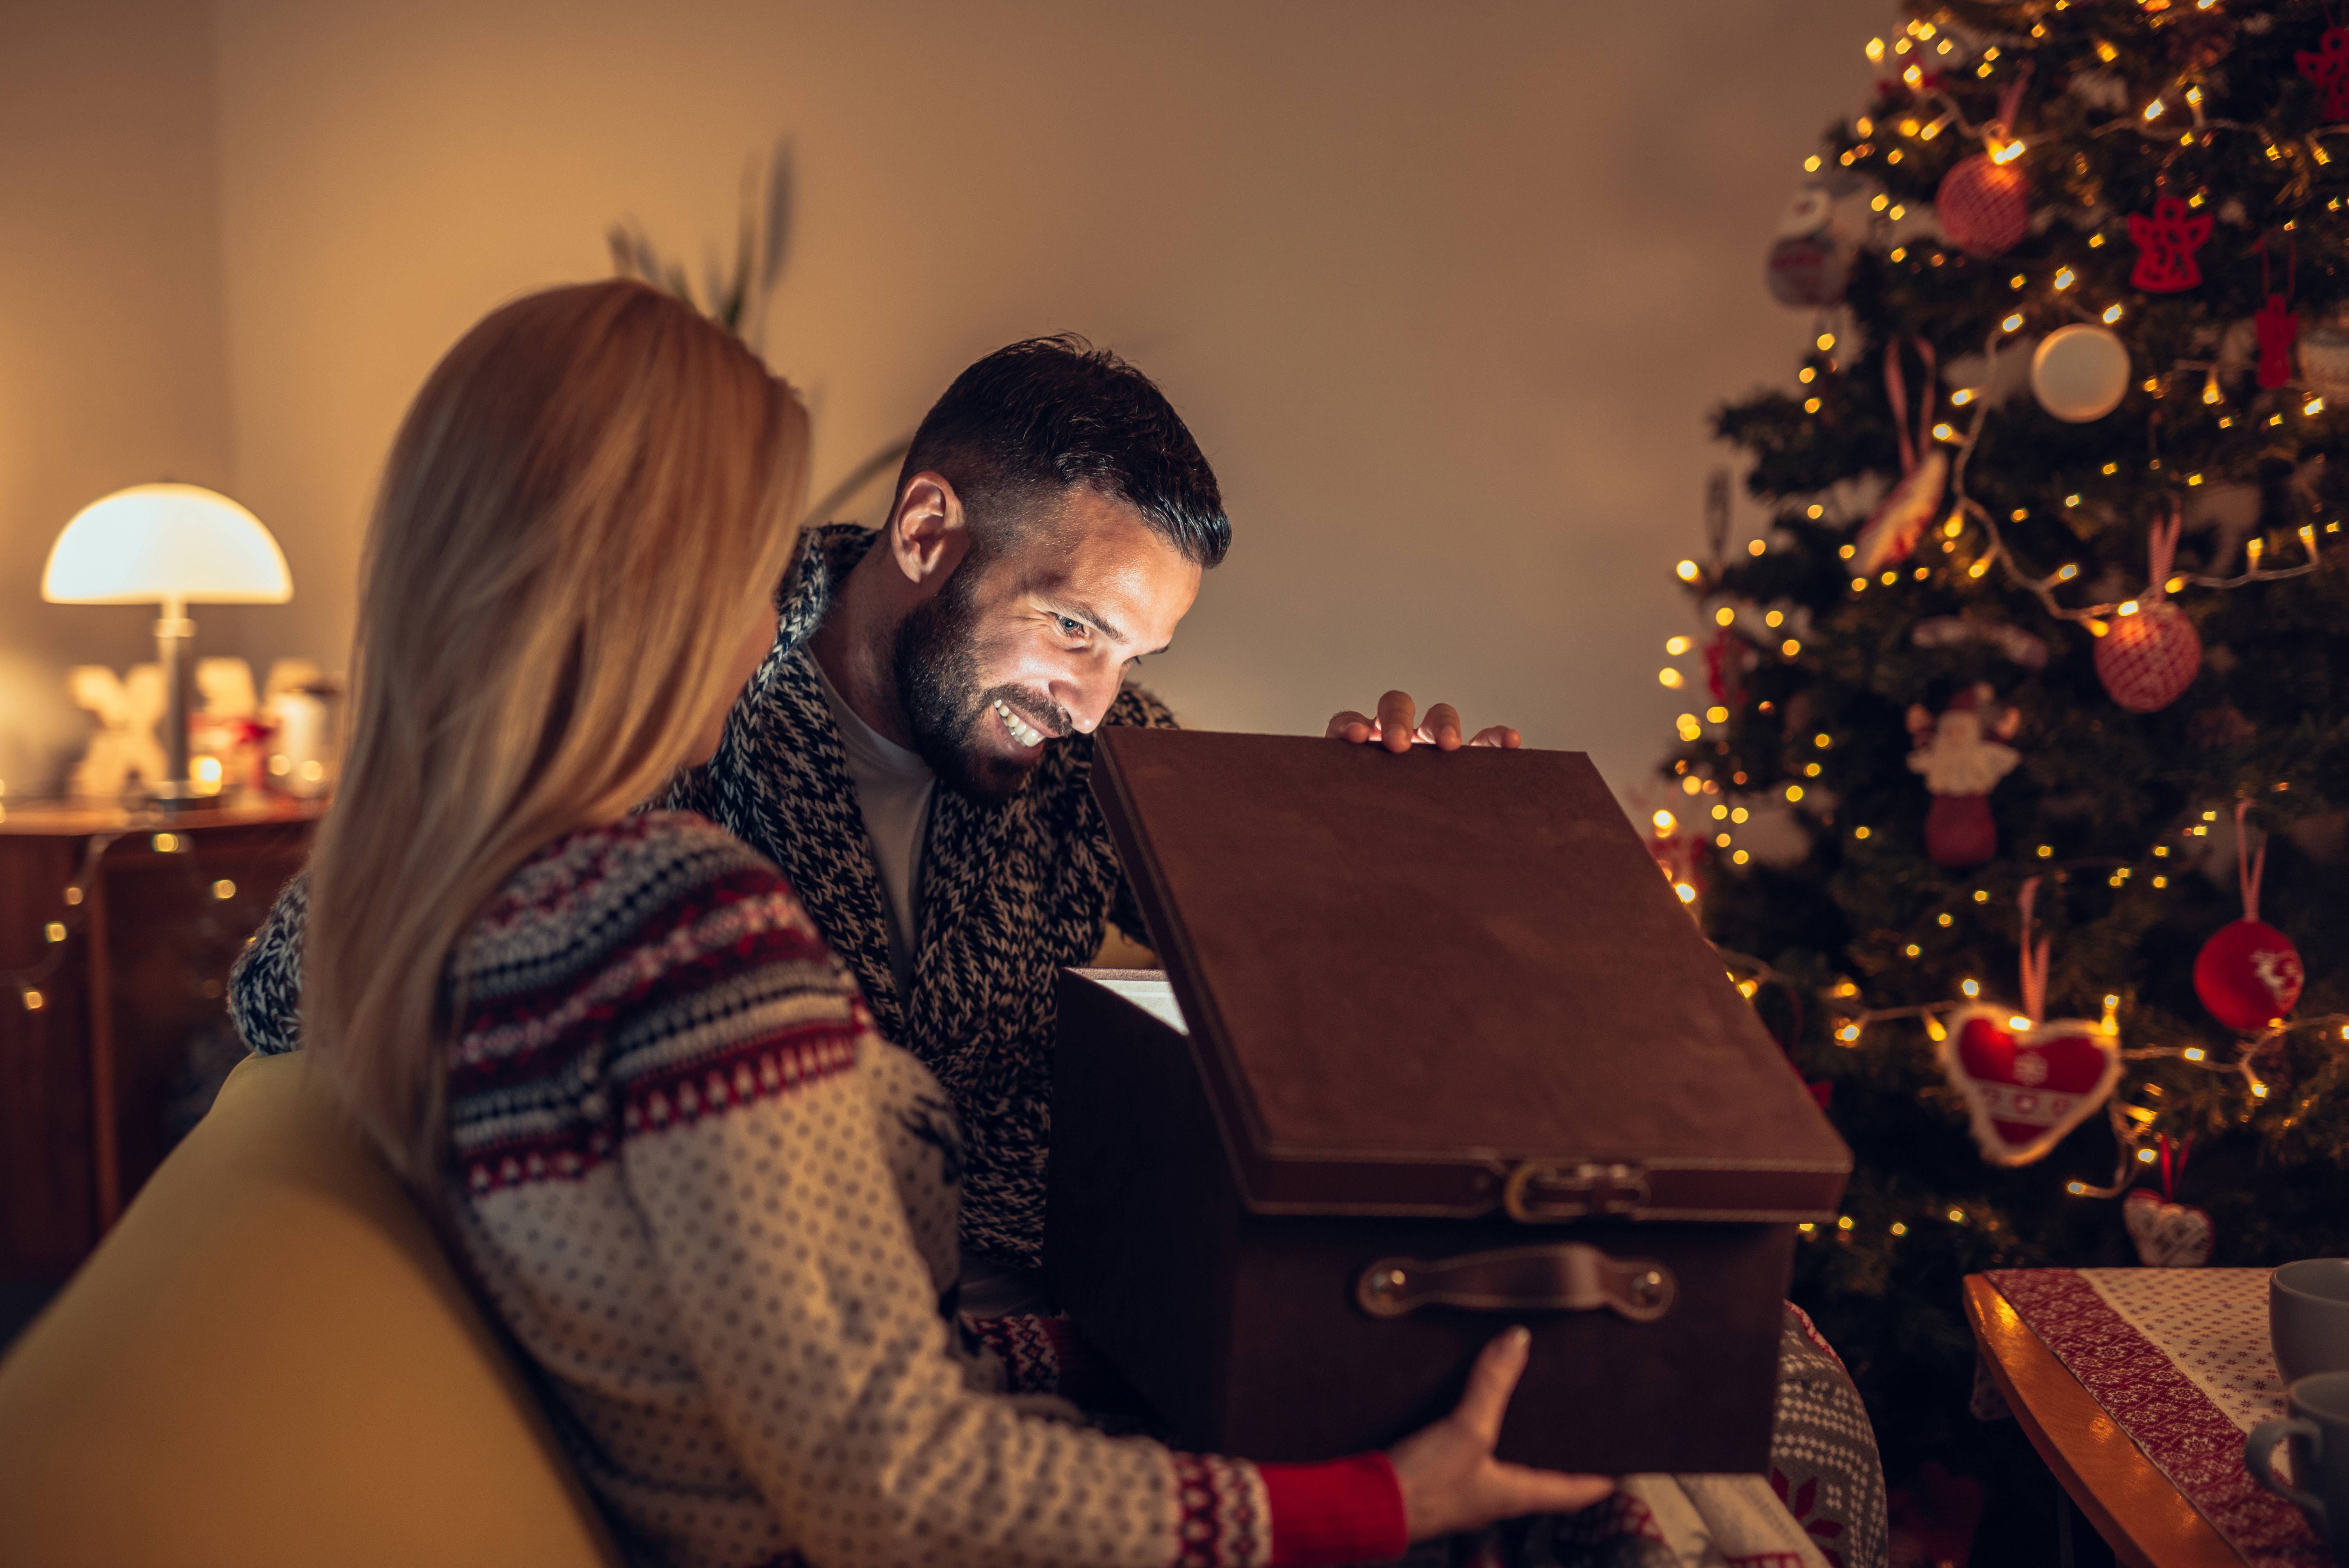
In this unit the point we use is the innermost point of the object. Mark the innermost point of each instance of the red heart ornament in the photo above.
(2167, 1235)
(2025, 1086)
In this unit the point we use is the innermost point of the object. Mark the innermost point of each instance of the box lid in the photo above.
(1451, 984)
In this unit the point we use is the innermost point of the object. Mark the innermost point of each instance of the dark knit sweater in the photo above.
(1010, 895)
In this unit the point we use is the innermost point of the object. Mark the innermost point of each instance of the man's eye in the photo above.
(1070, 628)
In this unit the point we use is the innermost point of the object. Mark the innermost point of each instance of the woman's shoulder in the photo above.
(652, 879)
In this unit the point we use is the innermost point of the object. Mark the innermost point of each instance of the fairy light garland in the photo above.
(59, 927)
(2243, 1058)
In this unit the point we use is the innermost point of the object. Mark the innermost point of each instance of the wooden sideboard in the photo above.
(118, 928)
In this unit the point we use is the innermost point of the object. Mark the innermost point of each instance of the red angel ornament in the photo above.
(2277, 324)
(1962, 755)
(1900, 519)
(2166, 239)
(2328, 68)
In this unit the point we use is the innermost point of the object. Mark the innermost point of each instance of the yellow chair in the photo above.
(269, 1363)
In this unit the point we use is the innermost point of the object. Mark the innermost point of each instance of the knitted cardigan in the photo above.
(1010, 895)
(718, 1212)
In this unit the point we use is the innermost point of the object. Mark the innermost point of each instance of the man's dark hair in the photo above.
(1052, 412)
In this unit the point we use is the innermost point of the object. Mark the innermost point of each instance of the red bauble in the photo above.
(2147, 658)
(1959, 834)
(1984, 207)
(2249, 973)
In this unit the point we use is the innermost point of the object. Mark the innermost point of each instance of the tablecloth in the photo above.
(2179, 1359)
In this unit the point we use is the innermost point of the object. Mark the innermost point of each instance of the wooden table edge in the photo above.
(2146, 1520)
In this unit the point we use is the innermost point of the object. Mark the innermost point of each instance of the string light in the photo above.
(1676, 645)
(1671, 678)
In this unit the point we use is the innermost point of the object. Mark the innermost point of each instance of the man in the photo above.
(1050, 528)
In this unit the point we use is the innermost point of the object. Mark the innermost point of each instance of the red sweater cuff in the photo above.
(1347, 1511)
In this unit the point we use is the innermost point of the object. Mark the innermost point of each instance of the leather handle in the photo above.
(1569, 1276)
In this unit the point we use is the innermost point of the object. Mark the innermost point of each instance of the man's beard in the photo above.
(935, 659)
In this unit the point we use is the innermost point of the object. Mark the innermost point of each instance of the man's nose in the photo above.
(1085, 693)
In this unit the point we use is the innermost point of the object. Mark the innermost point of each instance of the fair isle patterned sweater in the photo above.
(1010, 895)
(719, 1214)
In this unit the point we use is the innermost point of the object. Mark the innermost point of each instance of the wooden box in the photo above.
(1437, 1050)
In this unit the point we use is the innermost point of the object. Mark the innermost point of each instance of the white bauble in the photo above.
(2080, 373)
(2325, 360)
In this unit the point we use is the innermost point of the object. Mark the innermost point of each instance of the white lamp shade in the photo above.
(153, 543)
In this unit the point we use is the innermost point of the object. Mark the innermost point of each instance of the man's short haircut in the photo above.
(1054, 412)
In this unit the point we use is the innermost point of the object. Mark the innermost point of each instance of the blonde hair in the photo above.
(582, 511)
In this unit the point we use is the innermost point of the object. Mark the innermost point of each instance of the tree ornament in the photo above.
(1810, 261)
(1892, 530)
(2328, 68)
(1727, 657)
(2277, 324)
(2324, 361)
(2080, 373)
(2027, 1083)
(2026, 648)
(2150, 653)
(2249, 973)
(1984, 203)
(2166, 239)
(1984, 207)
(2167, 1233)
(1961, 758)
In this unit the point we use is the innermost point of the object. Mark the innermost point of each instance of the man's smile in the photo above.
(1018, 729)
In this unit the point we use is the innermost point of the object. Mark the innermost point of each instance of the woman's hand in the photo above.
(1450, 1479)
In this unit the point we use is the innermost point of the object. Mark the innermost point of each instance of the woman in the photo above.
(716, 1210)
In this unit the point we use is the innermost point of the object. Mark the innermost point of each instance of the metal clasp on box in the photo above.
(1539, 1191)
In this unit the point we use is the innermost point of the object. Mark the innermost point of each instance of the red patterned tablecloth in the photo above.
(2179, 1359)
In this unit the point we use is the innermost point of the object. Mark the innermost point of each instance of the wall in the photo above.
(112, 352)
(1444, 291)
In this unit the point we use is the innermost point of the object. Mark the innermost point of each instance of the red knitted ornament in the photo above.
(1984, 207)
(2149, 658)
(2249, 973)
(2150, 653)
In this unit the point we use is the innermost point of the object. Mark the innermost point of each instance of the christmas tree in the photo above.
(2048, 624)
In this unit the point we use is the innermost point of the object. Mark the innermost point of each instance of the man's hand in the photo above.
(1449, 1478)
(1393, 730)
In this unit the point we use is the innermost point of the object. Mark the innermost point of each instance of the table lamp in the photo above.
(175, 545)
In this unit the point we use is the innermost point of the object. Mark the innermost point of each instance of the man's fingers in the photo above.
(1441, 727)
(1396, 711)
(1350, 726)
(1499, 735)
(1516, 1491)
(1491, 1381)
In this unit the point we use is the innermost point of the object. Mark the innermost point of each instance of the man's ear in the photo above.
(927, 534)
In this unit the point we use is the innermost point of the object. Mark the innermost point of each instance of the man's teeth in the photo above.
(1021, 731)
